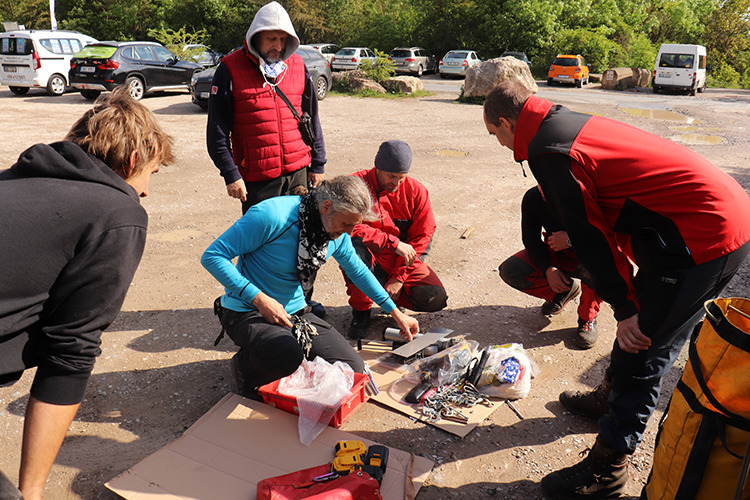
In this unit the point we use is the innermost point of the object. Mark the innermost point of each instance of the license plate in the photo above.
(15, 77)
(563, 77)
(204, 95)
(10, 69)
(87, 69)
(665, 75)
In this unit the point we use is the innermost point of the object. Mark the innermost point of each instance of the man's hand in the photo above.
(557, 280)
(394, 287)
(630, 337)
(558, 241)
(237, 190)
(271, 310)
(409, 326)
(406, 251)
(314, 179)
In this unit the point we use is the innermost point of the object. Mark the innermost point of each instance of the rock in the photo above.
(480, 79)
(403, 84)
(361, 84)
(625, 78)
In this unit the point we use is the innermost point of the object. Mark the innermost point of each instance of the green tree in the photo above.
(33, 14)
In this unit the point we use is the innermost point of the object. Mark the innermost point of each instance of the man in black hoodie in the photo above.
(73, 232)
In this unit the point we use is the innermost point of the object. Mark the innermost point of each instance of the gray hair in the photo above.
(347, 194)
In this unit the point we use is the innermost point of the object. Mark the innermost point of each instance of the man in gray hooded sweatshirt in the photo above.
(252, 136)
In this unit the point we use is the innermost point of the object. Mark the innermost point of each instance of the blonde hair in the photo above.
(116, 126)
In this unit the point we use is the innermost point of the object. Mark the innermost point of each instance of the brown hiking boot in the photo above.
(602, 474)
(591, 404)
(561, 299)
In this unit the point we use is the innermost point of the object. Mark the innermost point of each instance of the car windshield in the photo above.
(676, 61)
(565, 61)
(96, 52)
(456, 55)
(346, 52)
(401, 53)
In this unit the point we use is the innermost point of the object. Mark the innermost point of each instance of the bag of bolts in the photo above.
(446, 366)
(507, 373)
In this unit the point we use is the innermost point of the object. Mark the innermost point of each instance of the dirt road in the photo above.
(160, 372)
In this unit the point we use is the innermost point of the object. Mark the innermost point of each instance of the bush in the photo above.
(381, 70)
(176, 40)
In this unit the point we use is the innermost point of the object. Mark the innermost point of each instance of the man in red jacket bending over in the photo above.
(396, 243)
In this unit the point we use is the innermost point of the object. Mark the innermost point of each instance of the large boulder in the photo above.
(403, 84)
(362, 84)
(481, 78)
(625, 78)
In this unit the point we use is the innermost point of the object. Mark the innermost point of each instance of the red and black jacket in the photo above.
(627, 197)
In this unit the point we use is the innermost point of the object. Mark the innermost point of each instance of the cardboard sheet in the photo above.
(238, 443)
(393, 389)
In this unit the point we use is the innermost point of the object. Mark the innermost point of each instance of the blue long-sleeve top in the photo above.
(265, 241)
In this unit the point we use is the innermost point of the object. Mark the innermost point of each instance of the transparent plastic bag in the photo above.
(446, 366)
(507, 373)
(319, 387)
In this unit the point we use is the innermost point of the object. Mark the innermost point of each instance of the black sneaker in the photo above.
(317, 309)
(561, 299)
(587, 334)
(360, 324)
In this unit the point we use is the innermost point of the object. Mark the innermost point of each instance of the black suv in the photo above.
(141, 66)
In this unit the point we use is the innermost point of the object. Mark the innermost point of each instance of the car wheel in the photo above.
(579, 83)
(420, 71)
(321, 87)
(135, 87)
(90, 94)
(19, 90)
(549, 82)
(443, 75)
(56, 85)
(656, 89)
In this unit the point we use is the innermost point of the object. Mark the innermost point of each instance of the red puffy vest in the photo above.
(266, 142)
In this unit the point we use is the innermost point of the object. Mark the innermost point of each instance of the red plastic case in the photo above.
(356, 398)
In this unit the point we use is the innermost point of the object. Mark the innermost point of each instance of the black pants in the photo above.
(281, 186)
(270, 352)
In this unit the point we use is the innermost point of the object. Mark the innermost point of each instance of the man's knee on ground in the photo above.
(428, 298)
(513, 271)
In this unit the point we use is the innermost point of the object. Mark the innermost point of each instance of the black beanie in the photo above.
(393, 156)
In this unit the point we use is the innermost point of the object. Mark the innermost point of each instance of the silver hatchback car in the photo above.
(414, 60)
(351, 58)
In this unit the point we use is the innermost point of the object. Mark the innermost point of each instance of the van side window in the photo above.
(701, 62)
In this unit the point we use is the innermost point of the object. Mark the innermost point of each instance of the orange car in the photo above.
(568, 69)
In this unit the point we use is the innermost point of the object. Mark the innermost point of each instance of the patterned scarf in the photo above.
(313, 243)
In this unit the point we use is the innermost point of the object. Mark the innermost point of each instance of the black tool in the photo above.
(375, 462)
(474, 376)
(416, 395)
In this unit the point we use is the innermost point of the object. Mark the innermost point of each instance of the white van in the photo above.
(38, 58)
(680, 67)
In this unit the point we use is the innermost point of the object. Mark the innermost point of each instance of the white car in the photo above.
(352, 57)
(327, 49)
(455, 62)
(38, 58)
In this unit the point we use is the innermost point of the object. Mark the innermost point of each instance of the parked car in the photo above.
(141, 66)
(680, 67)
(317, 66)
(414, 60)
(521, 56)
(455, 62)
(38, 58)
(351, 58)
(202, 54)
(568, 69)
(327, 49)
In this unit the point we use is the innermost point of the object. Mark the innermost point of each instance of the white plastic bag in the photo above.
(319, 387)
(507, 373)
